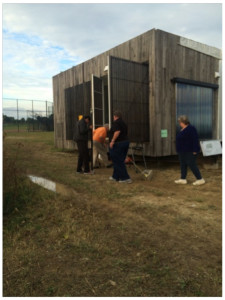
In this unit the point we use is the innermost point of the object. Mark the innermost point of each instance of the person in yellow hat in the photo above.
(81, 130)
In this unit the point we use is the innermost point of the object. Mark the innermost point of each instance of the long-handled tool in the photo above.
(146, 172)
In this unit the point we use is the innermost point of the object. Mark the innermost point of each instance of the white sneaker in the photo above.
(126, 181)
(181, 181)
(199, 182)
(112, 179)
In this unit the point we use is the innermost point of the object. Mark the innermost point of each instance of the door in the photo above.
(97, 103)
(129, 93)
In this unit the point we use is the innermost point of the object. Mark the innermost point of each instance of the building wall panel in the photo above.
(167, 57)
(173, 60)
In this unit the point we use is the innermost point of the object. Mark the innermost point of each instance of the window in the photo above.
(197, 103)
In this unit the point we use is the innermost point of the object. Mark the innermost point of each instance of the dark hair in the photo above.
(87, 117)
(117, 114)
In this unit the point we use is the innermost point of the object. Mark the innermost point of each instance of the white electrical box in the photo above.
(212, 147)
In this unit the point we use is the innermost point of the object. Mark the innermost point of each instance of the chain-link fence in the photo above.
(27, 115)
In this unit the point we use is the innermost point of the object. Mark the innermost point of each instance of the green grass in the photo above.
(21, 127)
(15, 127)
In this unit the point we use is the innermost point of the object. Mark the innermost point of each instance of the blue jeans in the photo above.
(118, 155)
(188, 159)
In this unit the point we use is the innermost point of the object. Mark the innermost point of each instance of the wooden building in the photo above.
(152, 79)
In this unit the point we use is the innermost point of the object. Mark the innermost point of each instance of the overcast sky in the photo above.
(41, 40)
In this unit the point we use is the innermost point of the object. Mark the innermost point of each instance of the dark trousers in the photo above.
(188, 159)
(83, 157)
(118, 154)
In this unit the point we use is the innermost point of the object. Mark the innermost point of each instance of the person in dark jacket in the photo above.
(82, 128)
(187, 144)
(119, 145)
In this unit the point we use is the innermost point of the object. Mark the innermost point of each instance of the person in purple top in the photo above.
(187, 144)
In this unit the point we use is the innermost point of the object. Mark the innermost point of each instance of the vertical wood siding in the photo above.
(167, 59)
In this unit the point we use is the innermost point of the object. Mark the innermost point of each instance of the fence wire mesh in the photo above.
(27, 115)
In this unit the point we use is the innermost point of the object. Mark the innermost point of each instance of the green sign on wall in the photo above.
(164, 133)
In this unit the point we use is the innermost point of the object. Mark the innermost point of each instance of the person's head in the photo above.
(117, 115)
(106, 126)
(183, 121)
(87, 119)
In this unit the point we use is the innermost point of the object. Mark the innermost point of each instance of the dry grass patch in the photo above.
(145, 239)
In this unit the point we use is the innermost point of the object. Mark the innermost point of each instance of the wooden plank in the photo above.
(152, 97)
(158, 95)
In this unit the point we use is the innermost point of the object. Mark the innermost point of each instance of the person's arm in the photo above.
(115, 136)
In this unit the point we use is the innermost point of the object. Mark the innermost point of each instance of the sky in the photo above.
(41, 40)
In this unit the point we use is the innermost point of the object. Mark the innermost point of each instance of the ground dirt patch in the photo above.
(150, 238)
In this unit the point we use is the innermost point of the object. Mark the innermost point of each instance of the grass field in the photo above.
(145, 239)
(15, 127)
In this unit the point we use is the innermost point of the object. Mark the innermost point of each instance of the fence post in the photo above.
(46, 108)
(17, 113)
(33, 113)
(28, 129)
